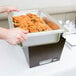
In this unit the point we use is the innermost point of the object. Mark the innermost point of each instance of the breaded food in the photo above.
(53, 25)
(30, 22)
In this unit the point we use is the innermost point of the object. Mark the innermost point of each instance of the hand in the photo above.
(15, 36)
(10, 9)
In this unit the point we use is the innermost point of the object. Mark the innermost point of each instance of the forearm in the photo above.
(13, 36)
(3, 9)
(3, 33)
(7, 9)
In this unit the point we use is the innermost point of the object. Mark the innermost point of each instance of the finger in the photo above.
(25, 31)
(24, 36)
(15, 9)
(21, 39)
(15, 42)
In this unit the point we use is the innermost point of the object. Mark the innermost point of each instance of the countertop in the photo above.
(13, 63)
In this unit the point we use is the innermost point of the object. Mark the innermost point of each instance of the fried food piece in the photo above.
(35, 18)
(32, 29)
(16, 19)
(53, 25)
(30, 22)
(42, 27)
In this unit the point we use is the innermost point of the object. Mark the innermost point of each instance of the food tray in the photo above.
(38, 38)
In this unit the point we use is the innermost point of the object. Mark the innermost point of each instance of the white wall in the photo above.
(35, 3)
(27, 4)
(46, 5)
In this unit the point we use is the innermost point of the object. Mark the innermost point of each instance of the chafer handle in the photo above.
(61, 36)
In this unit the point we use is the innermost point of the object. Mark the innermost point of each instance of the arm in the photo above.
(13, 36)
(7, 9)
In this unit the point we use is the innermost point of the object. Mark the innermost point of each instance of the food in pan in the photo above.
(32, 23)
(53, 25)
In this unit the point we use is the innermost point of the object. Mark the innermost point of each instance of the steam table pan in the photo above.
(38, 38)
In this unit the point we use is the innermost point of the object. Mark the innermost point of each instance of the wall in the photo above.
(50, 6)
(36, 3)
